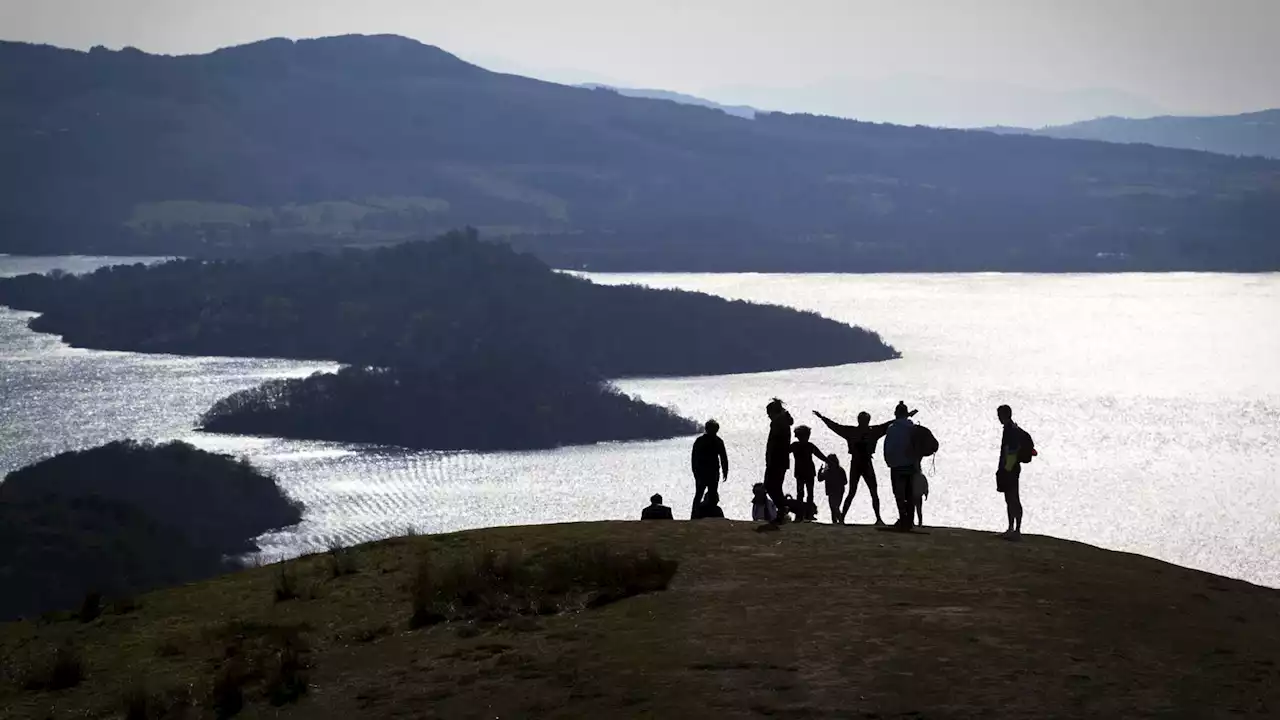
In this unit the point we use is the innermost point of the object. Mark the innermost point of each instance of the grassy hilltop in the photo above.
(810, 621)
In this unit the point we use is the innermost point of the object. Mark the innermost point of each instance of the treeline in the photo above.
(86, 139)
(477, 404)
(422, 303)
(126, 517)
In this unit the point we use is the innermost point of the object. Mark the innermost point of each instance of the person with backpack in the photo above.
(900, 456)
(709, 460)
(1016, 448)
(862, 439)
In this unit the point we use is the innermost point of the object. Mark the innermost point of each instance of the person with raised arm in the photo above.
(862, 439)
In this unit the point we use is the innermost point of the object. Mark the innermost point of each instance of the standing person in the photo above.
(777, 454)
(833, 478)
(862, 439)
(903, 464)
(1015, 448)
(709, 460)
(804, 452)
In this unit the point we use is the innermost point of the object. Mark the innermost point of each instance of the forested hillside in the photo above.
(281, 144)
(424, 303)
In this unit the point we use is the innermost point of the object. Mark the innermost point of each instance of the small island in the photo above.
(127, 517)
(422, 302)
(472, 405)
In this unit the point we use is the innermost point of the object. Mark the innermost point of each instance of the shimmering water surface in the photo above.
(1154, 400)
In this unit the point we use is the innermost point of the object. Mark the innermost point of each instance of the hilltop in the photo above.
(809, 621)
(1248, 134)
(281, 145)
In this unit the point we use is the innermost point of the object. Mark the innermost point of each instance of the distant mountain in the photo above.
(910, 99)
(1256, 133)
(743, 111)
(282, 145)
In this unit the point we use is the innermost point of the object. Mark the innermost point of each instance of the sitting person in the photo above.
(656, 510)
(710, 507)
(762, 507)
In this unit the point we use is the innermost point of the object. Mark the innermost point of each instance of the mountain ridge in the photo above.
(1246, 134)
(284, 145)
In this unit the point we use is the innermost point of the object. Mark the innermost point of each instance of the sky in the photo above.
(940, 62)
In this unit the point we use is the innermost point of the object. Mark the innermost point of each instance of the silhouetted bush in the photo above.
(487, 585)
(342, 560)
(273, 657)
(286, 583)
(91, 607)
(226, 694)
(52, 669)
(504, 403)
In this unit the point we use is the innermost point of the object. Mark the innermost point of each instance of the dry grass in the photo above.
(488, 585)
(811, 621)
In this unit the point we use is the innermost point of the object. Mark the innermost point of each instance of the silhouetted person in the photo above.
(763, 508)
(1009, 473)
(656, 510)
(710, 507)
(709, 460)
(862, 439)
(834, 481)
(777, 453)
(903, 464)
(804, 452)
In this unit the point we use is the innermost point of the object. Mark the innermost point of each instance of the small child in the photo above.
(833, 476)
(762, 508)
(804, 452)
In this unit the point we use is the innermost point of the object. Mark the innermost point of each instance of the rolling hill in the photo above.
(1250, 134)
(286, 144)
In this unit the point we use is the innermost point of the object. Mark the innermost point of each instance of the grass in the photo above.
(342, 560)
(286, 587)
(51, 668)
(810, 621)
(487, 585)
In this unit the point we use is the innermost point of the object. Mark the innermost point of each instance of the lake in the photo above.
(1154, 400)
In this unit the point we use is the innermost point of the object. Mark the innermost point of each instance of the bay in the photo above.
(1154, 401)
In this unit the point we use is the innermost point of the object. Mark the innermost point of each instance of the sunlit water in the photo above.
(1154, 401)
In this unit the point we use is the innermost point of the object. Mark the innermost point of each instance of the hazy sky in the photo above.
(1187, 56)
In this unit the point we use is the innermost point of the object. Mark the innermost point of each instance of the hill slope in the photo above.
(1256, 133)
(284, 144)
(811, 621)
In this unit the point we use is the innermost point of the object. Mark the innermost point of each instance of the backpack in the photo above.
(1026, 448)
(923, 443)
